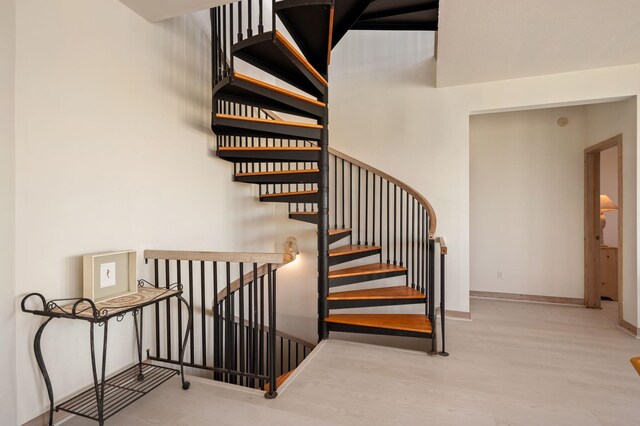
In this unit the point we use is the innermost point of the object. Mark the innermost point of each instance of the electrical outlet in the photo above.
(499, 275)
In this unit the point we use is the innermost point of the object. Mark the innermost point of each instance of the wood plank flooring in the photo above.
(514, 364)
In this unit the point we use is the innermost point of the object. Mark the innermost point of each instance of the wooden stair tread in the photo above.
(397, 292)
(280, 172)
(301, 58)
(336, 231)
(278, 89)
(282, 194)
(416, 323)
(268, 121)
(303, 212)
(269, 148)
(374, 268)
(280, 380)
(351, 249)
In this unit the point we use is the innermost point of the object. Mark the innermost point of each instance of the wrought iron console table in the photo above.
(108, 396)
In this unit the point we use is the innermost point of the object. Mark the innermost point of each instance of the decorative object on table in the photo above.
(109, 275)
(606, 205)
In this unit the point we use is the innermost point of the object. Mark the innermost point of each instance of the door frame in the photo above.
(592, 231)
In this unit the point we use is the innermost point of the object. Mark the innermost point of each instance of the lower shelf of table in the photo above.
(119, 391)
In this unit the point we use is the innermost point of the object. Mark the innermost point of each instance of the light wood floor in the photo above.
(514, 364)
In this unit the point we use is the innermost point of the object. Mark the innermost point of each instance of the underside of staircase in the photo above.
(291, 161)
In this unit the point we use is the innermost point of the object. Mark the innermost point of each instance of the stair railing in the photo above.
(233, 22)
(233, 333)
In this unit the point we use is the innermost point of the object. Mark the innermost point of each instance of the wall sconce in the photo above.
(291, 247)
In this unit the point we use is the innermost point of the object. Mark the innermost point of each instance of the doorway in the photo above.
(603, 262)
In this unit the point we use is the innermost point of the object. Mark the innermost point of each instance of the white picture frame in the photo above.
(108, 275)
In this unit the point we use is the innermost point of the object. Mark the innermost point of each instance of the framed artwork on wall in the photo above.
(109, 275)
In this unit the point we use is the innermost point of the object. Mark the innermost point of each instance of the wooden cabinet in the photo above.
(609, 272)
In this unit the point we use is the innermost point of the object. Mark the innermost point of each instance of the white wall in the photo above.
(112, 147)
(527, 202)
(7, 206)
(609, 186)
(603, 122)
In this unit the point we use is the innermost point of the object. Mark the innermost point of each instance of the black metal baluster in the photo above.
(228, 324)
(239, 20)
(217, 325)
(335, 191)
(343, 194)
(157, 307)
(249, 19)
(261, 343)
(241, 308)
(168, 308)
(413, 243)
(273, 327)
(388, 223)
(381, 210)
(224, 39)
(351, 201)
(373, 211)
(260, 17)
(190, 313)
(179, 273)
(359, 204)
(443, 311)
(203, 314)
(366, 208)
(400, 229)
(395, 220)
(408, 257)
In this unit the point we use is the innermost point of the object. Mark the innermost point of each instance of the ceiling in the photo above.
(157, 10)
(486, 40)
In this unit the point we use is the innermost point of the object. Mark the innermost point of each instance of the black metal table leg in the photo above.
(137, 323)
(99, 384)
(183, 348)
(43, 369)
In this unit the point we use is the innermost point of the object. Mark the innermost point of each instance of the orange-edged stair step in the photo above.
(337, 234)
(247, 90)
(238, 125)
(269, 154)
(370, 272)
(415, 325)
(310, 196)
(282, 176)
(351, 252)
(274, 54)
(384, 296)
(280, 380)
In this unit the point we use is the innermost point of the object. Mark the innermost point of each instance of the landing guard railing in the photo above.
(232, 316)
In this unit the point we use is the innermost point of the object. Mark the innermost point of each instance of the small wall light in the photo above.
(291, 247)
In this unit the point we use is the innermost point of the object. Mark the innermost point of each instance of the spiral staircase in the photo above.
(376, 235)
